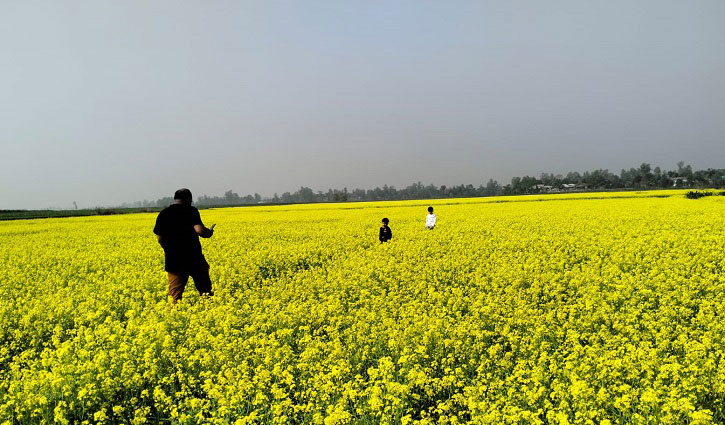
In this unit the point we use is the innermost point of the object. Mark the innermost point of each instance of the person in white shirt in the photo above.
(430, 219)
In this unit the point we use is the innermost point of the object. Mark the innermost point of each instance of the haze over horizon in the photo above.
(113, 102)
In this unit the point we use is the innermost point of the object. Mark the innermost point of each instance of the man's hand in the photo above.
(203, 231)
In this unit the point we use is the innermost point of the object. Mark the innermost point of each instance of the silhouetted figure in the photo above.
(178, 228)
(385, 233)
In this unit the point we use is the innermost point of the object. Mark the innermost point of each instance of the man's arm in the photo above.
(203, 231)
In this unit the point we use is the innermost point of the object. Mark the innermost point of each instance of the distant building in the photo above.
(680, 182)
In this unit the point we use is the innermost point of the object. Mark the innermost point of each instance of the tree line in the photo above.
(642, 177)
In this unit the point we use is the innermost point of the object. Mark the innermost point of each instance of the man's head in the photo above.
(385, 221)
(183, 196)
(430, 210)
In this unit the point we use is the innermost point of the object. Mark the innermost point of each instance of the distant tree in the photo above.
(231, 198)
(645, 173)
(523, 185)
(492, 188)
(630, 178)
(551, 179)
(339, 196)
(573, 178)
(684, 170)
(305, 194)
(164, 202)
(687, 172)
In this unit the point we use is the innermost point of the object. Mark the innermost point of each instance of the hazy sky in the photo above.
(107, 102)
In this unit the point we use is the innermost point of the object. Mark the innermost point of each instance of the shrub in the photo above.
(694, 194)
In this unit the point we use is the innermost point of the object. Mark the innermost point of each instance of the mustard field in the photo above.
(557, 309)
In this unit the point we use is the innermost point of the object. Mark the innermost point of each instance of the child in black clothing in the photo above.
(385, 233)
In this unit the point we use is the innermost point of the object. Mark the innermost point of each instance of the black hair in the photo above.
(183, 194)
(385, 220)
(430, 209)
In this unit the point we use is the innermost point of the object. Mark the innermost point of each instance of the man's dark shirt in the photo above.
(175, 224)
(385, 234)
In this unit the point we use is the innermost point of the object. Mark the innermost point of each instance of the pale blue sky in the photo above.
(111, 102)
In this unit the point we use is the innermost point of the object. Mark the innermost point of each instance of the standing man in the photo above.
(178, 228)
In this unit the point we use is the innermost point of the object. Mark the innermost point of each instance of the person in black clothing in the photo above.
(385, 233)
(178, 228)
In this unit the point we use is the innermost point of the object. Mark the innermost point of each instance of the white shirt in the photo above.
(430, 221)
